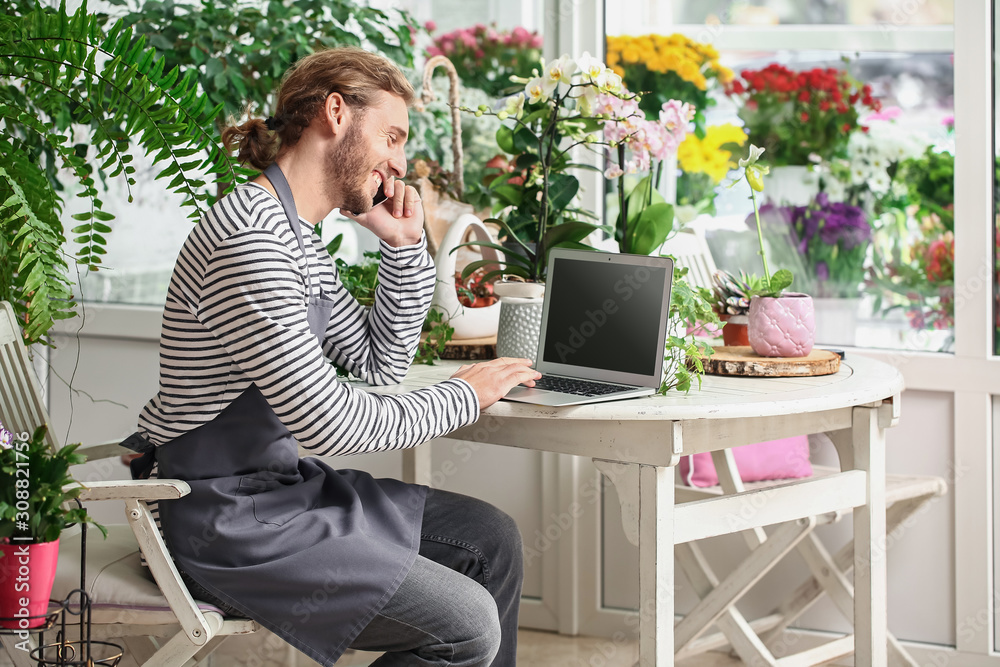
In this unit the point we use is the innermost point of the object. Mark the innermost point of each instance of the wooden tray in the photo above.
(744, 361)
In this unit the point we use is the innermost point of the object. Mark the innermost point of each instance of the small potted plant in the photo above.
(36, 490)
(732, 295)
(780, 324)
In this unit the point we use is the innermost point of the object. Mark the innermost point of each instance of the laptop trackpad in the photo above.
(537, 396)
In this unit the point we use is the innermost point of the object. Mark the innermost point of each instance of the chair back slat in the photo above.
(691, 251)
(21, 406)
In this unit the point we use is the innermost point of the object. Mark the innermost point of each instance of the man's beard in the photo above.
(349, 170)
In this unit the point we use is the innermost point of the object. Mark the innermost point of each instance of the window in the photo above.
(897, 167)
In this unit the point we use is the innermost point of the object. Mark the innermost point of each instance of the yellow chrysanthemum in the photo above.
(706, 155)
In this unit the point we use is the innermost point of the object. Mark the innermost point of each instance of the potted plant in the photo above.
(828, 242)
(555, 112)
(644, 221)
(732, 297)
(802, 118)
(36, 490)
(780, 324)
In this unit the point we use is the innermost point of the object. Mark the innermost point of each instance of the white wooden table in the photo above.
(636, 443)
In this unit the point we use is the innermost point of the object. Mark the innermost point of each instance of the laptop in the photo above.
(604, 327)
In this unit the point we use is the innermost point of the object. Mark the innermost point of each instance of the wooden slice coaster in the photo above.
(471, 349)
(744, 361)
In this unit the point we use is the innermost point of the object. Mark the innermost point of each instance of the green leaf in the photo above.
(781, 280)
(568, 232)
(562, 189)
(651, 229)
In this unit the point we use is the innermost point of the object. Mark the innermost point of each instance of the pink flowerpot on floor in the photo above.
(27, 572)
(782, 326)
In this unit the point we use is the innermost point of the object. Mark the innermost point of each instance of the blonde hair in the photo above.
(356, 74)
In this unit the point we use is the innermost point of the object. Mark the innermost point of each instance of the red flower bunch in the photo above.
(485, 57)
(800, 117)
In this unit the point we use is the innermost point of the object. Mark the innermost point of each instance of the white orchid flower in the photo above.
(515, 105)
(610, 81)
(560, 71)
(591, 67)
(587, 100)
(752, 158)
(537, 91)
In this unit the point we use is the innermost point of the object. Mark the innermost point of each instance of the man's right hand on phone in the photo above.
(491, 380)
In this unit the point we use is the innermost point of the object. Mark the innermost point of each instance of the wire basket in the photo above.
(74, 648)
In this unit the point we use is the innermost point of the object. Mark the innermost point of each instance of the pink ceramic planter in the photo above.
(782, 326)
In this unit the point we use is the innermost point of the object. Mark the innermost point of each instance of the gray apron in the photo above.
(309, 552)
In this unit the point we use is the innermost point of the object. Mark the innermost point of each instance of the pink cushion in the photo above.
(787, 458)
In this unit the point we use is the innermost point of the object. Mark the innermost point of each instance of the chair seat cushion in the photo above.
(121, 589)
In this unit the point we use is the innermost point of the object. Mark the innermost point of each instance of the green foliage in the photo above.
(77, 97)
(930, 181)
(360, 280)
(439, 333)
(649, 219)
(684, 356)
(38, 478)
(241, 50)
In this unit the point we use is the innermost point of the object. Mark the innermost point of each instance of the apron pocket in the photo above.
(275, 503)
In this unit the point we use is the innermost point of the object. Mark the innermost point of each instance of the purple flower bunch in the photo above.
(831, 239)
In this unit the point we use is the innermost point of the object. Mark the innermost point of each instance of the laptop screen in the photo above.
(606, 315)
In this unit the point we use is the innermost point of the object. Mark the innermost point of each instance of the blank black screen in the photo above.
(604, 315)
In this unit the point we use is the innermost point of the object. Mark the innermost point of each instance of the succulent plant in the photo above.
(732, 294)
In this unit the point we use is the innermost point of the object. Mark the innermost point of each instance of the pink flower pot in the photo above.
(27, 572)
(782, 326)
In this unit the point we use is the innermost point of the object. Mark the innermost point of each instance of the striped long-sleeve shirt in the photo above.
(236, 314)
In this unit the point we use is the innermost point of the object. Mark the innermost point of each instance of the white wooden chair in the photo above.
(754, 641)
(150, 611)
(690, 250)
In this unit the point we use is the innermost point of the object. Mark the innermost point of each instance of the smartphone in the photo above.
(379, 197)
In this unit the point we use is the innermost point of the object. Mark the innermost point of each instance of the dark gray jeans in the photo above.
(458, 605)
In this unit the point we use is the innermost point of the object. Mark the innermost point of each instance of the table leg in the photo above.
(417, 464)
(870, 587)
(656, 566)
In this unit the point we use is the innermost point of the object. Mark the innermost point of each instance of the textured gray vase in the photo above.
(520, 323)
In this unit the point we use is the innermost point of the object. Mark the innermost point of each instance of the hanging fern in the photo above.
(62, 74)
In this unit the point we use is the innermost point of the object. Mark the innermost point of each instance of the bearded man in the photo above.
(327, 559)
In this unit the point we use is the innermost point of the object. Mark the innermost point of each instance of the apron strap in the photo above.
(280, 185)
(142, 466)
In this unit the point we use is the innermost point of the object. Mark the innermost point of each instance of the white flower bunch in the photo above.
(871, 154)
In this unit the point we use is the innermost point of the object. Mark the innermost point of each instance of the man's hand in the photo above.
(399, 220)
(491, 380)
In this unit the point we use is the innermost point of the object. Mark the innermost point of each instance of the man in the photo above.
(255, 312)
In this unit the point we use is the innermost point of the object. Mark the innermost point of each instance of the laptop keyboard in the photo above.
(578, 387)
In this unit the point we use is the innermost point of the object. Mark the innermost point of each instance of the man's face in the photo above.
(369, 152)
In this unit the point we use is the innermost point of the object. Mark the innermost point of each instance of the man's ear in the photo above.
(335, 113)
